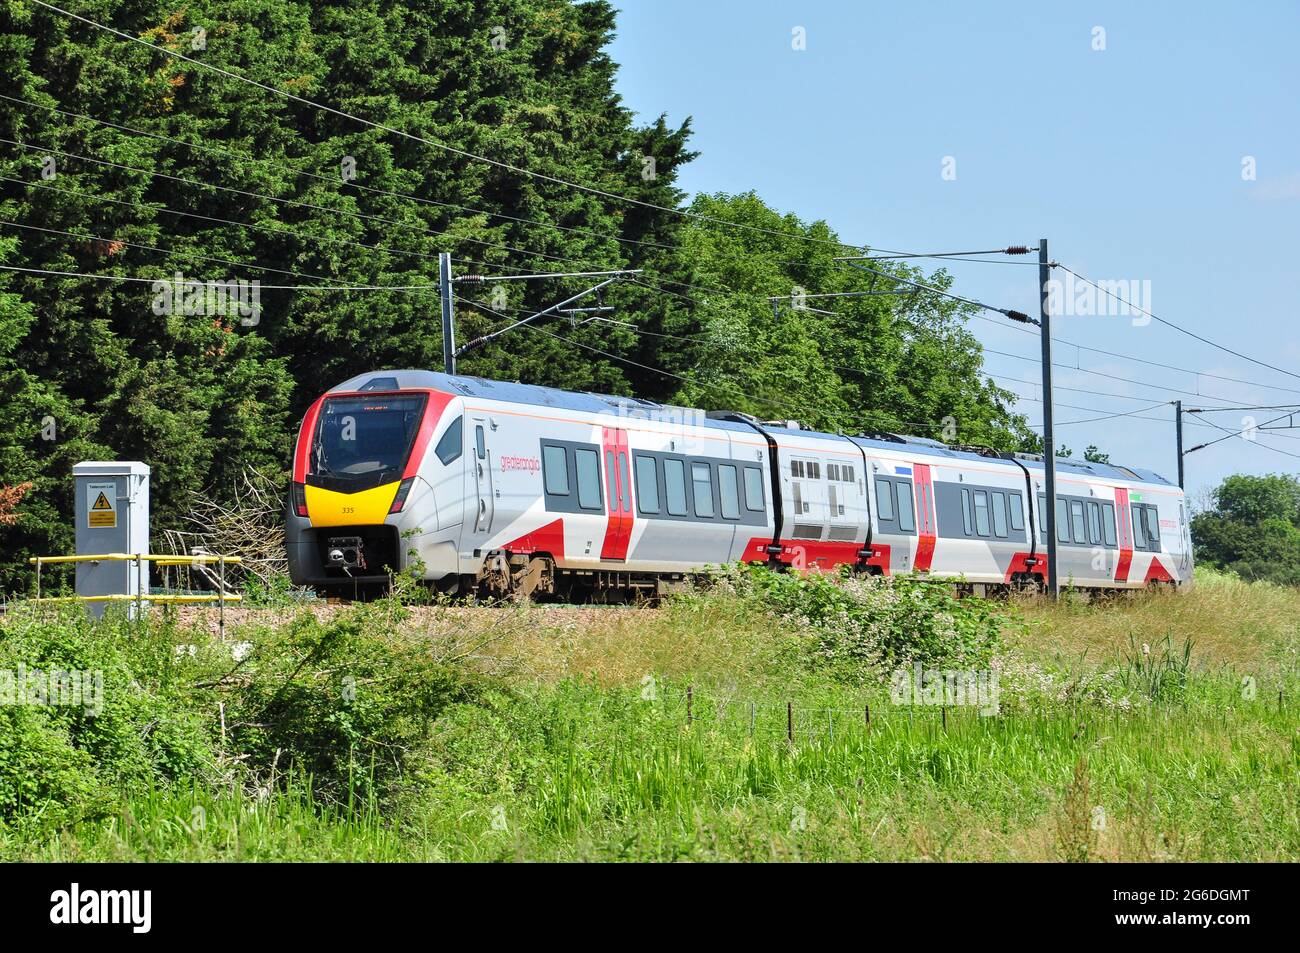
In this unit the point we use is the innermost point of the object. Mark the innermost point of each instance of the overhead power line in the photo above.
(1177, 327)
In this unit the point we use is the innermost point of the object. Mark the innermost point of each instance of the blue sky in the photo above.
(1129, 159)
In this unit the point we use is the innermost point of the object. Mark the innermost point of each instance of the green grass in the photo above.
(565, 750)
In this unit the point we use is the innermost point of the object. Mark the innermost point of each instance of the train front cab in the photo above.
(377, 483)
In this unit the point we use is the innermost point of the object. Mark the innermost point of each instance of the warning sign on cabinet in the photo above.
(101, 512)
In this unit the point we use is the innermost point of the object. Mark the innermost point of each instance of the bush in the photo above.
(856, 627)
(130, 726)
(346, 702)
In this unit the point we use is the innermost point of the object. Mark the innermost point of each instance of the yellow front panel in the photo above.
(367, 508)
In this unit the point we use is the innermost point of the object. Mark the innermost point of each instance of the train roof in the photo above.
(594, 403)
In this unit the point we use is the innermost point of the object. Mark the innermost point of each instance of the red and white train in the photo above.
(512, 488)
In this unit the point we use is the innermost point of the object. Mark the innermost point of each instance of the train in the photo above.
(508, 489)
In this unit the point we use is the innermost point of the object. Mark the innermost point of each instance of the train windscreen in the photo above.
(364, 442)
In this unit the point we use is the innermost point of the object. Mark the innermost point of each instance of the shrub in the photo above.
(855, 627)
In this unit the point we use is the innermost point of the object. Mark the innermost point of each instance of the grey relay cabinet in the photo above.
(112, 513)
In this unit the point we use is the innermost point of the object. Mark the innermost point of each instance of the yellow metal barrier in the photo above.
(221, 597)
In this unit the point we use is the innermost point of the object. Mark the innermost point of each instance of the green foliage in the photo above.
(202, 397)
(1254, 528)
(345, 702)
(131, 725)
(857, 627)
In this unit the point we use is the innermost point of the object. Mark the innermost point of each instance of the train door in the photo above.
(484, 485)
(844, 502)
(618, 494)
(810, 510)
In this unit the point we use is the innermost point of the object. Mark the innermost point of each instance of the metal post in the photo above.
(1178, 435)
(38, 578)
(448, 313)
(221, 599)
(1049, 435)
(139, 586)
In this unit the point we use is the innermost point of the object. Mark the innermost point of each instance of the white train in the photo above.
(510, 488)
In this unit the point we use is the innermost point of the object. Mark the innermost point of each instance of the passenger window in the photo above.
(702, 489)
(675, 487)
(982, 512)
(1017, 512)
(999, 514)
(1153, 528)
(478, 441)
(1078, 525)
(555, 470)
(884, 500)
(796, 468)
(449, 447)
(1062, 521)
(1139, 535)
(965, 511)
(848, 473)
(647, 484)
(1108, 524)
(1094, 523)
(906, 520)
(728, 492)
(754, 489)
(587, 463)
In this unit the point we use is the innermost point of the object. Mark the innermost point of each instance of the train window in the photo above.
(478, 442)
(627, 483)
(1153, 527)
(1139, 534)
(611, 481)
(555, 470)
(647, 484)
(847, 471)
(1078, 522)
(1108, 524)
(675, 487)
(449, 447)
(587, 463)
(754, 489)
(1094, 522)
(796, 468)
(702, 489)
(728, 492)
(885, 500)
(965, 512)
(999, 514)
(1017, 513)
(906, 519)
(1062, 521)
(981, 512)
(833, 471)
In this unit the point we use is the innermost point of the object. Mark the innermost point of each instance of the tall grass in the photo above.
(578, 746)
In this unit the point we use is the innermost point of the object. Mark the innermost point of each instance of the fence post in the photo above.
(690, 704)
(943, 714)
(139, 586)
(789, 721)
(38, 578)
(866, 715)
(221, 598)
(751, 719)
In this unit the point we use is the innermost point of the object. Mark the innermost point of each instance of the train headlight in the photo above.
(400, 499)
